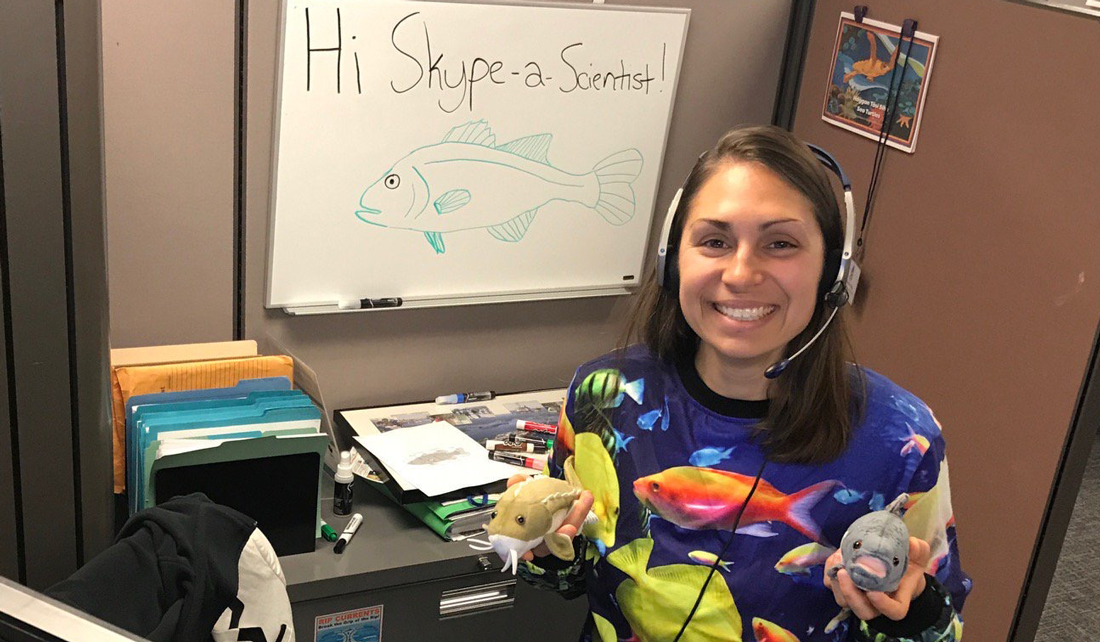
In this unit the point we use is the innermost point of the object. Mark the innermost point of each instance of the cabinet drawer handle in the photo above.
(477, 599)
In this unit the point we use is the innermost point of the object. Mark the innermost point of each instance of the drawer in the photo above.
(480, 607)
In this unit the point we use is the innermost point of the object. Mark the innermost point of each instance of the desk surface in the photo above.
(391, 548)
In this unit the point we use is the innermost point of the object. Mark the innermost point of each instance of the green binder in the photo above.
(453, 520)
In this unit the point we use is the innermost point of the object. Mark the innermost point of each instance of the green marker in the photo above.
(327, 532)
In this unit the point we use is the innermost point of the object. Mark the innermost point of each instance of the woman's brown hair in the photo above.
(813, 404)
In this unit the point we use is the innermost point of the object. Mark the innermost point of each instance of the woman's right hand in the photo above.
(570, 527)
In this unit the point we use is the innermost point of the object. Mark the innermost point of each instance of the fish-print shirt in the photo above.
(668, 462)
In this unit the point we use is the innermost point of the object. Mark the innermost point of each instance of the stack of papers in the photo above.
(436, 458)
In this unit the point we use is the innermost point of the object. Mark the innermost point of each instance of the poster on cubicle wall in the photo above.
(872, 75)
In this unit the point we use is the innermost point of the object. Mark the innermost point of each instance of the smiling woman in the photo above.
(759, 218)
(700, 459)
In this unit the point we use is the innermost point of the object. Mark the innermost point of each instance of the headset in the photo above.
(839, 278)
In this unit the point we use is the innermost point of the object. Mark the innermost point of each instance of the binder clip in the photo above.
(908, 28)
(860, 12)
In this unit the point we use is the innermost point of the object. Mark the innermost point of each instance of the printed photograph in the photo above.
(474, 412)
(451, 418)
(519, 407)
(385, 424)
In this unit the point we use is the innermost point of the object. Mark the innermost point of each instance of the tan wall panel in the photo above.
(982, 280)
(393, 356)
(168, 75)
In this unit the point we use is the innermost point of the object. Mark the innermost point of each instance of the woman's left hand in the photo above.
(871, 604)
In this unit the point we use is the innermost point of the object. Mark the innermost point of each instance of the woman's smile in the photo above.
(747, 315)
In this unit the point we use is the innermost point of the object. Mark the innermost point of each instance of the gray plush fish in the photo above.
(875, 552)
(875, 549)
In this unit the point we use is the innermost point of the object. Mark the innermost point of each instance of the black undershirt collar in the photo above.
(697, 388)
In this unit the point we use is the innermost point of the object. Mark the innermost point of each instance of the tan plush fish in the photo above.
(530, 513)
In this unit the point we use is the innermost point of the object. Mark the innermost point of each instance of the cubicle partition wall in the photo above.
(980, 290)
(55, 458)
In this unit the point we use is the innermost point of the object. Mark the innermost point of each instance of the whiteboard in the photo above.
(449, 153)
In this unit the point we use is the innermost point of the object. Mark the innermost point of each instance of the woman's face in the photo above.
(750, 260)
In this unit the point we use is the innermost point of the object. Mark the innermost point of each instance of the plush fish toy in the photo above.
(875, 549)
(530, 513)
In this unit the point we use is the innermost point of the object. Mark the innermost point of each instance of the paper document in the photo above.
(436, 458)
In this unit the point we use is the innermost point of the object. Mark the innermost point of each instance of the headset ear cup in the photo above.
(829, 273)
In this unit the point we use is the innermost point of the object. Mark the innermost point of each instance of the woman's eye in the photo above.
(714, 244)
(781, 245)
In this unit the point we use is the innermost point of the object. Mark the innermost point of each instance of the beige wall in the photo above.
(168, 138)
(982, 279)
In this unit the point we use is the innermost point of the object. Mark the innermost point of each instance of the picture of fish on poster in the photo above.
(866, 58)
(356, 625)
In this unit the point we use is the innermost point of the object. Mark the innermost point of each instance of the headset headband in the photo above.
(843, 288)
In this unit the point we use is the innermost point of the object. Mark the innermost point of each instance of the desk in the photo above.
(397, 562)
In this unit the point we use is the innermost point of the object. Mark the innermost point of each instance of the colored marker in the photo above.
(531, 426)
(531, 438)
(367, 304)
(328, 533)
(465, 397)
(349, 532)
(524, 447)
(516, 459)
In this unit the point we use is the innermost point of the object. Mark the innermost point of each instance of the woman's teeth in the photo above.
(745, 314)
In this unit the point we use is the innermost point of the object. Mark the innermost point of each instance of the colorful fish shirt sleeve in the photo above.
(669, 464)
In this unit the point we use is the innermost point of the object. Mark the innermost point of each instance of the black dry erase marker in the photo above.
(465, 397)
(368, 304)
(349, 532)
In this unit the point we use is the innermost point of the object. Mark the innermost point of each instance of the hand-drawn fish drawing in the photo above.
(467, 181)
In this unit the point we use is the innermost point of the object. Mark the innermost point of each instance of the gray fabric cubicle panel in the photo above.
(39, 331)
(168, 85)
(730, 75)
(9, 541)
(980, 292)
(55, 486)
(90, 324)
